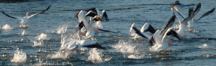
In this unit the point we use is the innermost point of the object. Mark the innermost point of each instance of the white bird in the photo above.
(93, 12)
(146, 27)
(157, 40)
(19, 56)
(186, 24)
(23, 20)
(90, 30)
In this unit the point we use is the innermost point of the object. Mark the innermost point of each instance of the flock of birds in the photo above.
(90, 22)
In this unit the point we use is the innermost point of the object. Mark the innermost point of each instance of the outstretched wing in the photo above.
(81, 25)
(4, 13)
(176, 10)
(190, 11)
(197, 9)
(174, 33)
(95, 46)
(92, 9)
(139, 33)
(43, 11)
(168, 25)
(91, 13)
(207, 13)
(104, 15)
(148, 27)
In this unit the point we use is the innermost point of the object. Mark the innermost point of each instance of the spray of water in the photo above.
(19, 56)
(96, 56)
(68, 46)
(6, 27)
(203, 46)
(62, 54)
(39, 40)
(62, 29)
(128, 49)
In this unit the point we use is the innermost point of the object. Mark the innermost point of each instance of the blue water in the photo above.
(121, 13)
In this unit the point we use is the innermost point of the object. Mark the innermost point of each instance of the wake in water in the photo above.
(61, 54)
(19, 56)
(62, 29)
(203, 46)
(68, 45)
(129, 50)
(6, 27)
(96, 56)
(39, 40)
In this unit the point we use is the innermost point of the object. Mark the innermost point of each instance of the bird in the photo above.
(90, 31)
(186, 23)
(157, 40)
(23, 20)
(145, 28)
(95, 12)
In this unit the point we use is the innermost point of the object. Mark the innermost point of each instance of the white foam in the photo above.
(38, 43)
(95, 56)
(130, 51)
(203, 46)
(7, 27)
(42, 36)
(62, 29)
(60, 55)
(19, 56)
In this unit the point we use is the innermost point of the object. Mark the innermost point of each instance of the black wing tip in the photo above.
(172, 19)
(174, 33)
(177, 2)
(91, 13)
(4, 13)
(150, 29)
(81, 25)
(151, 41)
(105, 15)
(190, 11)
(98, 46)
(213, 9)
(138, 32)
(43, 11)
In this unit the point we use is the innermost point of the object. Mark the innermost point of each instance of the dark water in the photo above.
(121, 13)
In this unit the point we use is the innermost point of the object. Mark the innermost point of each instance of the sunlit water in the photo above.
(197, 50)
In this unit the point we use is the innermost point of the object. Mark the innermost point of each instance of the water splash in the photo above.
(23, 32)
(67, 42)
(40, 63)
(128, 50)
(62, 29)
(62, 54)
(42, 36)
(203, 46)
(39, 40)
(6, 27)
(38, 43)
(68, 45)
(19, 56)
(96, 56)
